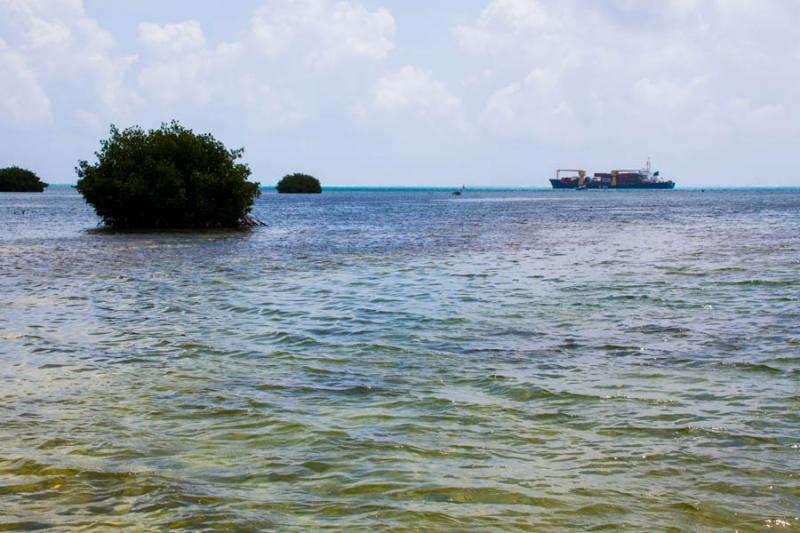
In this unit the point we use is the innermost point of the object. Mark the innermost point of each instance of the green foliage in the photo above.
(299, 184)
(167, 178)
(15, 179)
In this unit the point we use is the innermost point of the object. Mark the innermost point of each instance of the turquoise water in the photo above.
(406, 360)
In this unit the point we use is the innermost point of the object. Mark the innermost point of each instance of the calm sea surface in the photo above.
(399, 360)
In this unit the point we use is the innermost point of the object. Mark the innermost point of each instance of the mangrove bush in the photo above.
(299, 184)
(169, 177)
(16, 179)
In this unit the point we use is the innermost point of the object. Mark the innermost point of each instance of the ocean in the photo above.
(384, 360)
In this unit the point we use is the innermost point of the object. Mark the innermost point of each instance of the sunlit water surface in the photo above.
(532, 361)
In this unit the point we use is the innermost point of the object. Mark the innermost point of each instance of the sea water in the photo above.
(406, 360)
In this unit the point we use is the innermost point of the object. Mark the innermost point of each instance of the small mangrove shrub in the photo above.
(168, 177)
(16, 179)
(299, 184)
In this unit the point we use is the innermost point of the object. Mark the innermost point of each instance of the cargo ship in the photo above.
(616, 179)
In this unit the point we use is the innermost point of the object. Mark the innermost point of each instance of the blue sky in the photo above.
(475, 92)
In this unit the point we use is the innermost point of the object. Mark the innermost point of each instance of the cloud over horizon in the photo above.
(489, 92)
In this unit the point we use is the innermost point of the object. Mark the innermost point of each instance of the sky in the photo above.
(414, 93)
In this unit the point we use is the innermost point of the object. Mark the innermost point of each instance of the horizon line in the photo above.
(498, 187)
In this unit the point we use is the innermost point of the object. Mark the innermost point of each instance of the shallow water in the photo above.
(528, 360)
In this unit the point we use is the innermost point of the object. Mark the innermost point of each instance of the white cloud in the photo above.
(178, 72)
(670, 95)
(325, 32)
(45, 33)
(638, 65)
(62, 63)
(413, 90)
(535, 104)
(502, 20)
(23, 100)
(66, 51)
(176, 67)
(177, 38)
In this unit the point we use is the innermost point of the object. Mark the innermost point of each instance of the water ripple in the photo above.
(516, 361)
